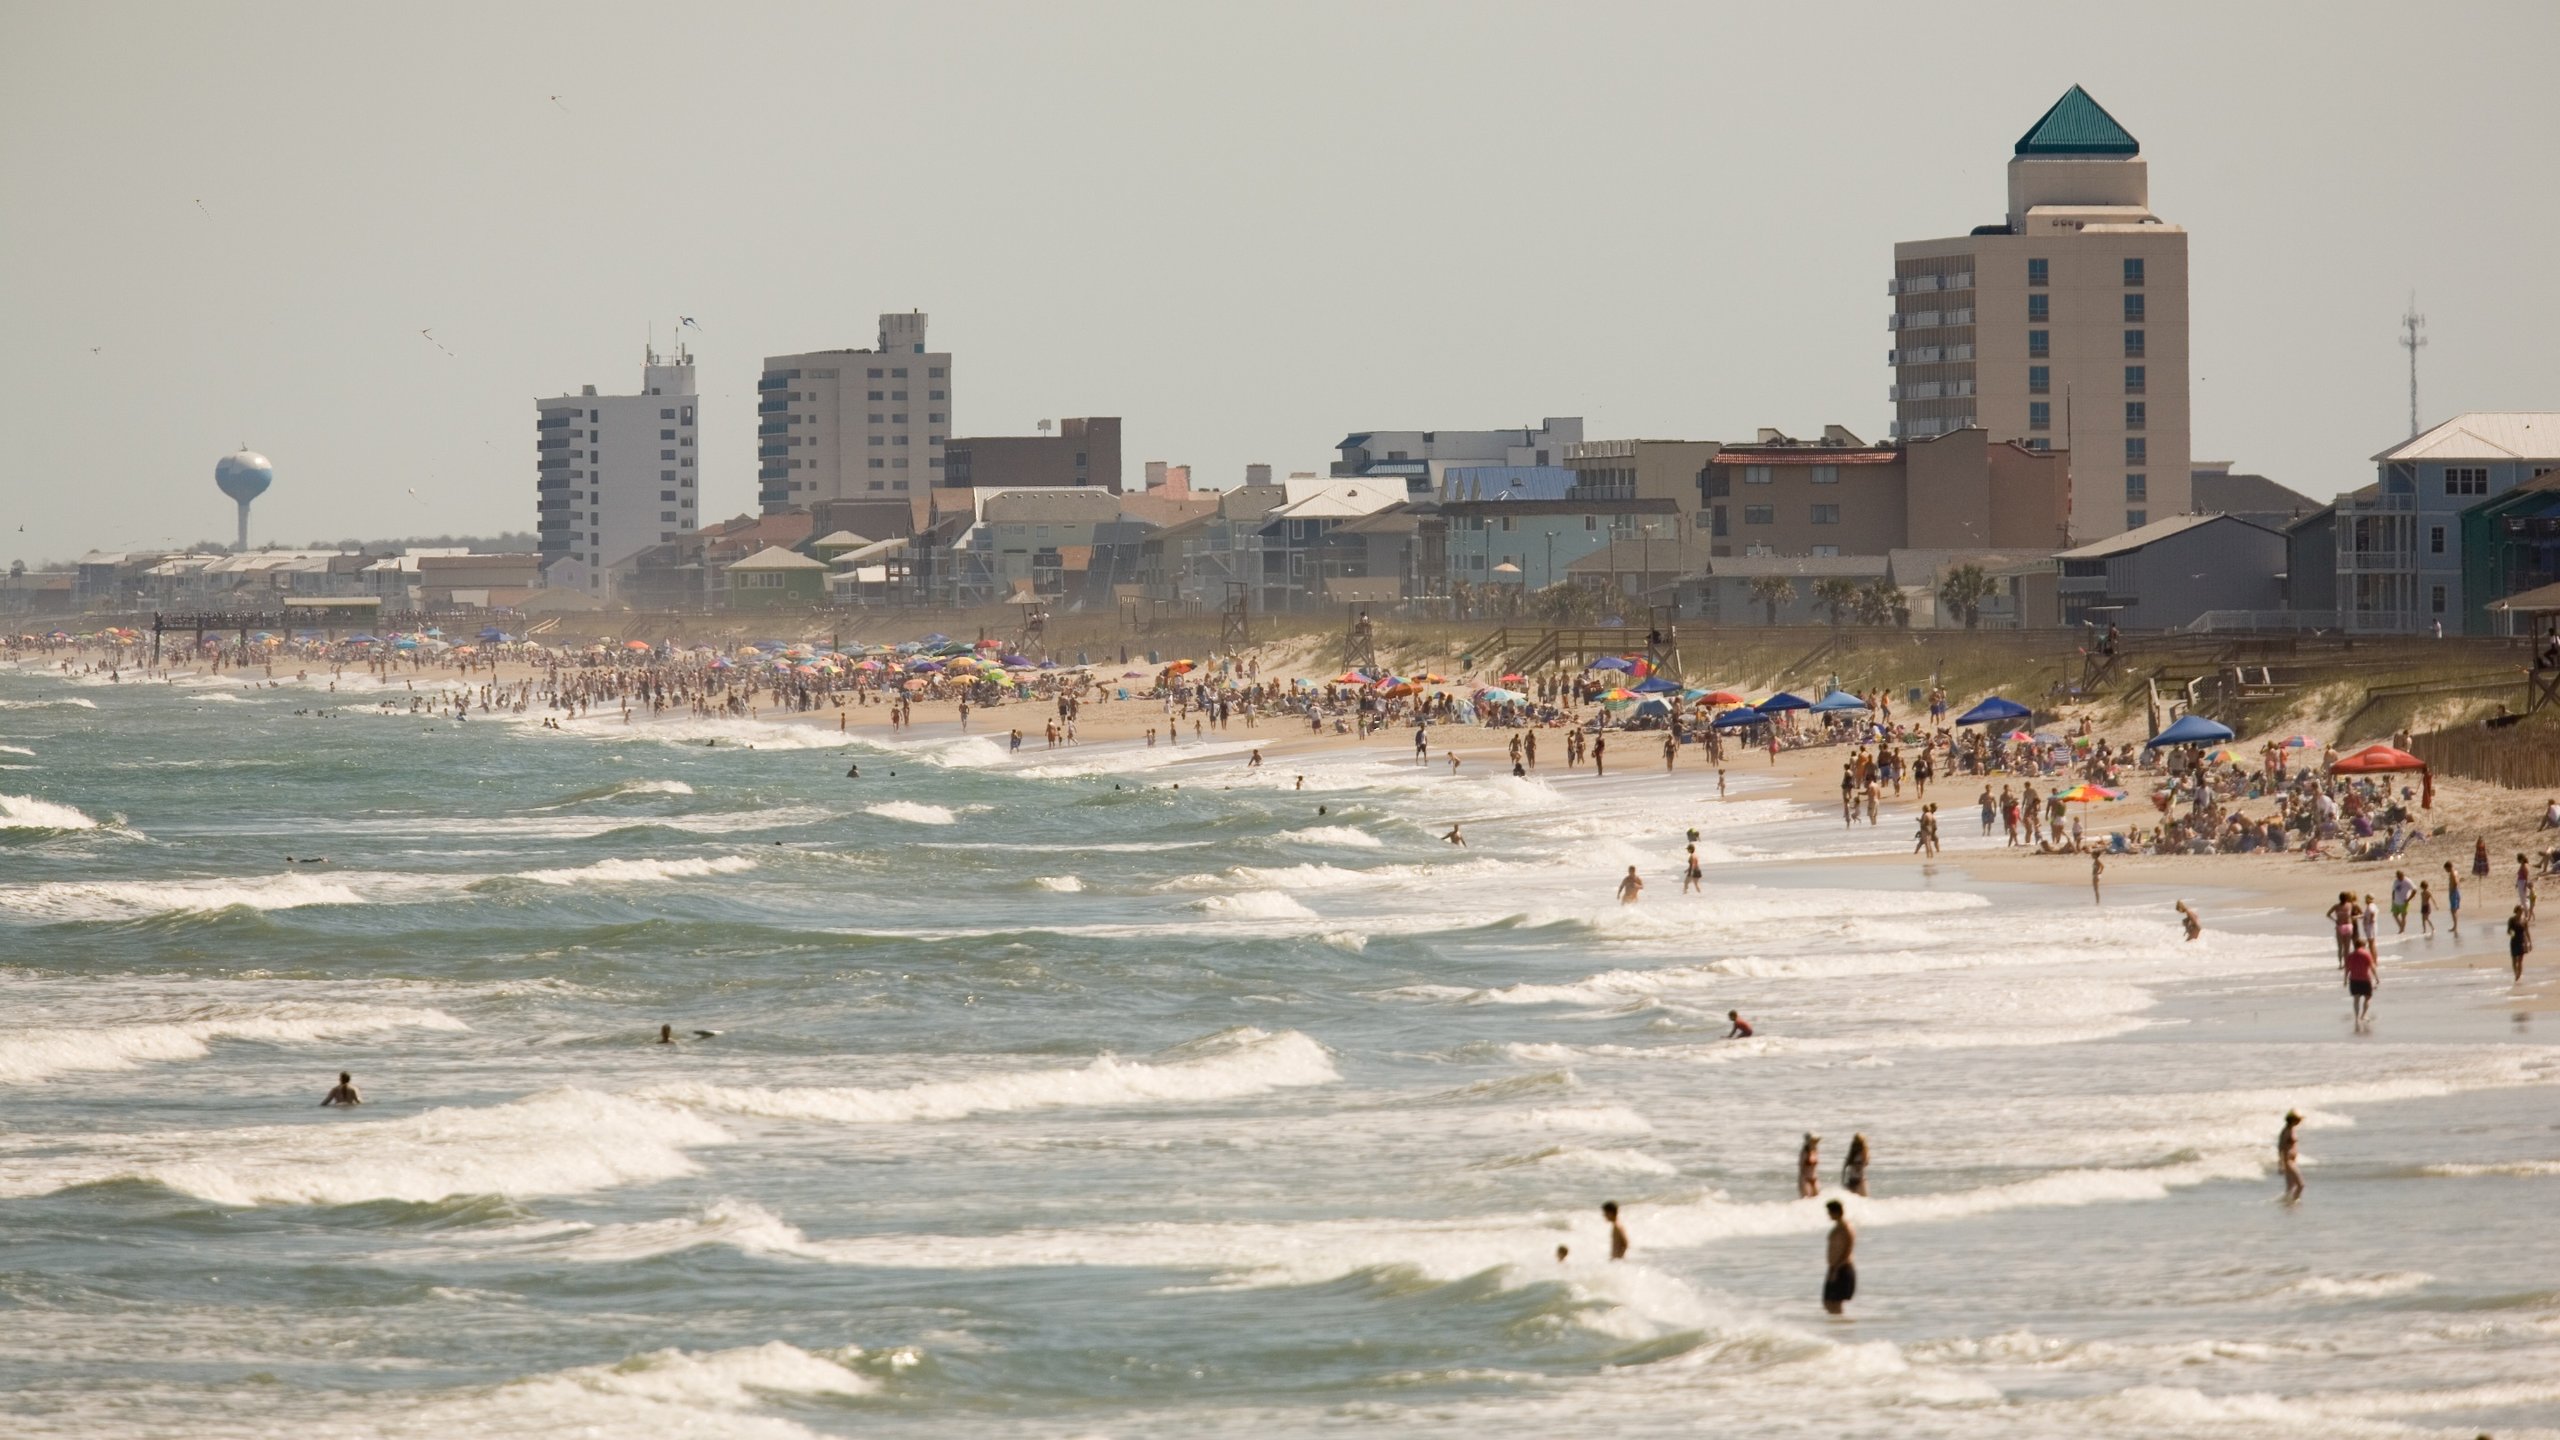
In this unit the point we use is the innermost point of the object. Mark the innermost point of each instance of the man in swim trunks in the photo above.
(1840, 1275)
(1630, 888)
(2402, 892)
(344, 1094)
(2361, 975)
(1741, 1028)
(1617, 1232)
(1695, 879)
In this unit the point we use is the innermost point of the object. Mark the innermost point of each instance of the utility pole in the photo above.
(2413, 338)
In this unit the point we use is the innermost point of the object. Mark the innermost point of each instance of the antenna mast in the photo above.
(2413, 338)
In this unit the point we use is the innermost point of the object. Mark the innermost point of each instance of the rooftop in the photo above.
(2077, 125)
(2485, 435)
(1748, 567)
(774, 557)
(2152, 533)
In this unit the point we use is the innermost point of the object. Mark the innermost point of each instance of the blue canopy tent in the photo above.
(1654, 709)
(1739, 719)
(1656, 686)
(1993, 710)
(1781, 701)
(2190, 730)
(1609, 662)
(1838, 700)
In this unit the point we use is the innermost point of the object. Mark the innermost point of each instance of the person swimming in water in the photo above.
(1809, 1168)
(1617, 1232)
(1840, 1272)
(344, 1094)
(1741, 1028)
(666, 1034)
(2289, 1156)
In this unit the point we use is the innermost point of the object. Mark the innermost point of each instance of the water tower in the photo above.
(244, 476)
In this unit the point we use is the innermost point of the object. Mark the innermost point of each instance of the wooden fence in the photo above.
(2523, 756)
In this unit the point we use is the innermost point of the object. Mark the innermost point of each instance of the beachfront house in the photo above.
(774, 579)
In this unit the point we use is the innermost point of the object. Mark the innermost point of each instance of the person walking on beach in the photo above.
(1809, 1167)
(1617, 1232)
(2342, 920)
(2452, 900)
(1600, 756)
(1741, 1028)
(345, 1093)
(2426, 908)
(1839, 1272)
(2402, 892)
(2289, 1157)
(1670, 751)
(1421, 745)
(2524, 883)
(1694, 880)
(2097, 873)
(2362, 975)
(2519, 942)
(1630, 888)
(2480, 858)
(1853, 1171)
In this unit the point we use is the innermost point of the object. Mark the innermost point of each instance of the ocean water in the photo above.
(1048, 1099)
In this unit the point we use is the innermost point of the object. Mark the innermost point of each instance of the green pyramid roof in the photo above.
(2077, 125)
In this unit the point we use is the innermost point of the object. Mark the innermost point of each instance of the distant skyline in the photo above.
(1247, 231)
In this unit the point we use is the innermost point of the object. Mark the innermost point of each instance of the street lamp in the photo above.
(1548, 575)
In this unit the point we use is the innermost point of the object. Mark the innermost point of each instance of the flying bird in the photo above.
(432, 340)
(556, 101)
(207, 213)
(684, 320)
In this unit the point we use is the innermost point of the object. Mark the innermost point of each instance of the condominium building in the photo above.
(1084, 453)
(2064, 325)
(615, 474)
(845, 424)
(1422, 458)
(2402, 563)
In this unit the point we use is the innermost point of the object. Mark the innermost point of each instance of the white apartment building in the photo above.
(616, 474)
(1423, 458)
(853, 424)
(2064, 326)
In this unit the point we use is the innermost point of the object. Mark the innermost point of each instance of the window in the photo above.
(1826, 514)
(2136, 379)
(2132, 270)
(2435, 598)
(1825, 475)
(898, 440)
(898, 464)
(2435, 539)
(935, 417)
(2039, 309)
(875, 374)
(1755, 474)
(2137, 450)
(667, 475)
(1507, 521)
(2136, 519)
(1590, 522)
(2133, 309)
(897, 419)
(1759, 514)
(667, 495)
(1826, 550)
(877, 395)
(2039, 379)
(878, 464)
(2466, 480)
(2039, 443)
(666, 517)
(666, 434)
(933, 395)
(2039, 271)
(879, 440)
(2137, 414)
(897, 394)
(2133, 345)
(668, 414)
(1759, 550)
(2137, 487)
(879, 419)
(2039, 344)
(2039, 414)
(666, 454)
(900, 373)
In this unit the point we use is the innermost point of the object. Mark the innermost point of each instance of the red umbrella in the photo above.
(2377, 760)
(1720, 697)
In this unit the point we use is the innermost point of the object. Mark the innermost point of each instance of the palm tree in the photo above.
(1837, 596)
(1963, 591)
(1772, 591)
(1876, 602)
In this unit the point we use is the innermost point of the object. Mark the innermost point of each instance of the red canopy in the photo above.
(2377, 760)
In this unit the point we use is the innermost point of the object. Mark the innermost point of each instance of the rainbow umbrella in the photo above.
(2089, 794)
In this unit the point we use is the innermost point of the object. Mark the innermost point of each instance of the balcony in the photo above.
(767, 407)
(769, 451)
(774, 381)
(554, 422)
(772, 427)
(1926, 284)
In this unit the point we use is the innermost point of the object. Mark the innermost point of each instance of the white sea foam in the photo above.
(39, 1052)
(25, 812)
(1253, 905)
(64, 900)
(698, 733)
(1224, 1067)
(620, 790)
(558, 1142)
(912, 813)
(15, 750)
(640, 872)
(661, 1393)
(71, 700)
(2360, 1287)
(1349, 836)
(2503, 1167)
(1063, 884)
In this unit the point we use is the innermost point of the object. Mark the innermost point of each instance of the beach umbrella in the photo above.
(1609, 662)
(1737, 719)
(915, 684)
(635, 645)
(1837, 701)
(1347, 677)
(1781, 702)
(1393, 691)
(1514, 679)
(2089, 794)
(1182, 667)
(1992, 710)
(1500, 696)
(2222, 756)
(1617, 695)
(2189, 730)
(2298, 742)
(1720, 697)
(927, 665)
(2021, 737)
(2377, 760)
(1656, 686)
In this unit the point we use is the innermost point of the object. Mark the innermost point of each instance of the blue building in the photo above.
(2400, 562)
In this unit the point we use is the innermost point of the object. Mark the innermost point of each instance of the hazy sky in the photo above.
(1246, 229)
